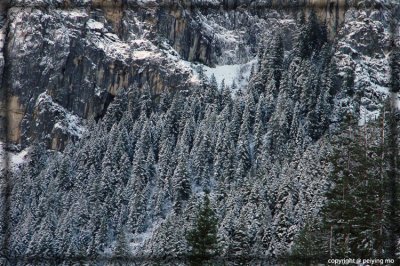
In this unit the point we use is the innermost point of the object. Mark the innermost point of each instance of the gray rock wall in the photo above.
(79, 52)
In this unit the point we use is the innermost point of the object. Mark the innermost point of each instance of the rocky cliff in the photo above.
(78, 54)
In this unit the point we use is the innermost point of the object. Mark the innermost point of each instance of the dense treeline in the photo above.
(359, 217)
(249, 168)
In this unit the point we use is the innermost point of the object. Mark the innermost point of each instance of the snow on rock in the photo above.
(230, 74)
(66, 121)
(141, 55)
(15, 159)
(110, 44)
(237, 73)
(73, 14)
(363, 48)
(2, 38)
(398, 101)
(71, 124)
(94, 25)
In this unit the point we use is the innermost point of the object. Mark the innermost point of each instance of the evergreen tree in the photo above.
(121, 249)
(392, 186)
(309, 245)
(181, 182)
(355, 218)
(395, 70)
(203, 237)
(277, 60)
(312, 36)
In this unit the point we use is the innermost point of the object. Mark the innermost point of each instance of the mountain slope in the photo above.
(127, 129)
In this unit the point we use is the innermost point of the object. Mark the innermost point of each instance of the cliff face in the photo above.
(77, 61)
(79, 54)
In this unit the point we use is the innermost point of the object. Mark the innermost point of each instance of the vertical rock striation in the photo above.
(82, 52)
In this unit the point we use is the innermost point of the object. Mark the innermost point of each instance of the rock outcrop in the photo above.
(80, 53)
(77, 61)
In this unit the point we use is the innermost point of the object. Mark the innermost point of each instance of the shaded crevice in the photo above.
(108, 101)
(5, 181)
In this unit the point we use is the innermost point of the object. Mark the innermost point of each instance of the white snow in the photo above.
(112, 47)
(68, 122)
(2, 38)
(94, 25)
(15, 159)
(371, 70)
(73, 13)
(138, 241)
(398, 101)
(71, 124)
(366, 115)
(146, 2)
(238, 73)
(144, 54)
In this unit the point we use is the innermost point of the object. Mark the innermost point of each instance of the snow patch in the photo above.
(144, 54)
(15, 159)
(94, 25)
(138, 241)
(74, 13)
(2, 38)
(68, 122)
(238, 74)
(230, 73)
(71, 124)
(111, 45)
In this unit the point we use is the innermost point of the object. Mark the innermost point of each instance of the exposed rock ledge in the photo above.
(81, 52)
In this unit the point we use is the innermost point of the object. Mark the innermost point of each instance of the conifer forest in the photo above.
(199, 132)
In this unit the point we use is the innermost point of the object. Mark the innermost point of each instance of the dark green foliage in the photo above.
(121, 247)
(312, 37)
(203, 238)
(395, 70)
(277, 57)
(359, 199)
(362, 200)
(393, 180)
(308, 244)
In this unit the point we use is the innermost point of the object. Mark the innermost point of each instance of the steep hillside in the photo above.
(81, 52)
(128, 122)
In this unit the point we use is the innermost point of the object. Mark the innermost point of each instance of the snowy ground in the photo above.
(238, 73)
(231, 73)
(15, 160)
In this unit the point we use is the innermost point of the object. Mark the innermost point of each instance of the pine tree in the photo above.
(308, 244)
(181, 181)
(240, 249)
(203, 238)
(203, 160)
(392, 186)
(354, 216)
(277, 59)
(395, 70)
(312, 36)
(121, 249)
